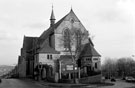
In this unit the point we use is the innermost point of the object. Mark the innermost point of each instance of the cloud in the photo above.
(34, 25)
(107, 19)
(122, 11)
(7, 36)
(111, 15)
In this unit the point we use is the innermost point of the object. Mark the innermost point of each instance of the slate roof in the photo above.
(28, 42)
(89, 50)
(45, 35)
(47, 48)
(91, 42)
(50, 30)
(65, 58)
(28, 45)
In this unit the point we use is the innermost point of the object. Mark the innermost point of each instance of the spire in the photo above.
(52, 18)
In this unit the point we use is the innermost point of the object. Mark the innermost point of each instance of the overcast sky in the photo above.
(112, 22)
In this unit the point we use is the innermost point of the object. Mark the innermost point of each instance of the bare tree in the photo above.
(72, 42)
(109, 67)
(121, 67)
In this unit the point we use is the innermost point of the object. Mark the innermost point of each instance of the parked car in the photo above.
(113, 79)
(130, 79)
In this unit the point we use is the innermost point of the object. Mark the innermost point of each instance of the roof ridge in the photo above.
(30, 37)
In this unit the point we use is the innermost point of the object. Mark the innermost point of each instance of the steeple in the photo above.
(52, 18)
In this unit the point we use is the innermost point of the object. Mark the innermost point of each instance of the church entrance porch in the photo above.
(43, 72)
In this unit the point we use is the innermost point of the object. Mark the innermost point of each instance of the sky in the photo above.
(111, 22)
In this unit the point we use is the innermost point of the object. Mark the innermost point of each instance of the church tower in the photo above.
(52, 18)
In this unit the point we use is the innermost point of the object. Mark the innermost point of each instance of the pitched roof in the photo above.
(91, 42)
(47, 49)
(28, 42)
(31, 42)
(65, 58)
(28, 45)
(50, 30)
(89, 50)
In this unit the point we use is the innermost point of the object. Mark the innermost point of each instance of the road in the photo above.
(16, 83)
(19, 83)
(120, 84)
(29, 83)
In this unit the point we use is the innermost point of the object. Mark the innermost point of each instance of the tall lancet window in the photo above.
(78, 40)
(67, 39)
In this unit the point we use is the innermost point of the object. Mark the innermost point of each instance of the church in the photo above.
(64, 51)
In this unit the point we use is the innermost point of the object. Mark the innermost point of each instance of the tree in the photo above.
(123, 67)
(72, 42)
(109, 67)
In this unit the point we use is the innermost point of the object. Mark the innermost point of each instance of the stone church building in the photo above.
(63, 51)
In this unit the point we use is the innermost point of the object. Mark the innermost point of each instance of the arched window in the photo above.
(78, 39)
(66, 39)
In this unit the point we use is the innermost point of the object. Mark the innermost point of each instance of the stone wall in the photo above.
(67, 24)
(22, 68)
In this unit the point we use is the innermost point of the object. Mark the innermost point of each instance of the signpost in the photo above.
(69, 67)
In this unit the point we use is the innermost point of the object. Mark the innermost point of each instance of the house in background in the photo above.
(50, 54)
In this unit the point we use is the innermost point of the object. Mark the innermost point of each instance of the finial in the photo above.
(52, 14)
(52, 5)
(71, 8)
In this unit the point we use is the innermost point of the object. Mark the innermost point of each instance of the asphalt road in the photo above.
(120, 84)
(27, 83)
(19, 83)
(16, 83)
